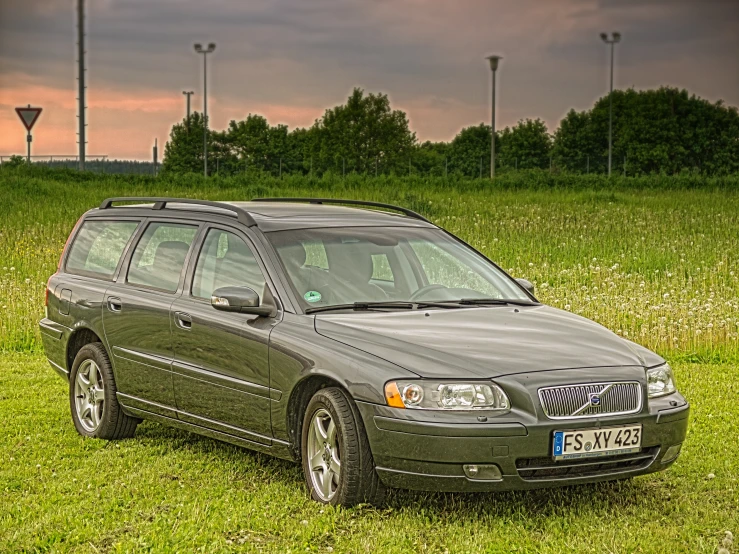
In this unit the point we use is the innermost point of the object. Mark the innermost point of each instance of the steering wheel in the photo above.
(423, 290)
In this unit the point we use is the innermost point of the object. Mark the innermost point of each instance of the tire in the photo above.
(342, 470)
(92, 397)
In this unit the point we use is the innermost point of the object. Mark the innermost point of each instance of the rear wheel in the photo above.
(337, 461)
(92, 397)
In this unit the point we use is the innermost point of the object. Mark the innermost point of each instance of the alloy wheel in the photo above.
(323, 455)
(89, 395)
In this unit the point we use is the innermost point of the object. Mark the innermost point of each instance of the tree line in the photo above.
(664, 131)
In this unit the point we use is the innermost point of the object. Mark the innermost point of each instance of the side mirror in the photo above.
(528, 285)
(239, 299)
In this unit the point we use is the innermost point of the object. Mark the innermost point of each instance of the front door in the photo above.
(136, 316)
(221, 366)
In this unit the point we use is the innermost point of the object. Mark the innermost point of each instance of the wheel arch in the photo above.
(300, 396)
(80, 337)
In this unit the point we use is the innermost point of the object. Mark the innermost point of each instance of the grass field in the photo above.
(655, 265)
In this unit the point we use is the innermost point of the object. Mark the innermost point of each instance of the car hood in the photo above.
(483, 342)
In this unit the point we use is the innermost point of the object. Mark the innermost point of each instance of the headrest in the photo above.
(352, 261)
(293, 255)
(173, 250)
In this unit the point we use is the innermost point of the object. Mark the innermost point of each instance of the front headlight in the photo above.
(660, 381)
(438, 395)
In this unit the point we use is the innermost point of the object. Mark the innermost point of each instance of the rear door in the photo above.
(221, 365)
(76, 292)
(136, 314)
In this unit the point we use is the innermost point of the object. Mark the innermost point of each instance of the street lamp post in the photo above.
(205, 51)
(493, 67)
(188, 94)
(615, 37)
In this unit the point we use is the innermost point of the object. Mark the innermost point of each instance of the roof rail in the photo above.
(161, 202)
(405, 211)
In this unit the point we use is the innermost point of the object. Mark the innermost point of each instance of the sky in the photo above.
(289, 60)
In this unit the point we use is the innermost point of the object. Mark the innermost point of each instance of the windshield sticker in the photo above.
(312, 296)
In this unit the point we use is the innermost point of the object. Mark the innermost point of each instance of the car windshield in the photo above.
(346, 265)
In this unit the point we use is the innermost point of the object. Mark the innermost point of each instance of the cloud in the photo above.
(290, 59)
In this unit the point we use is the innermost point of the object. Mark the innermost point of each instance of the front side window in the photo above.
(98, 247)
(160, 255)
(377, 264)
(226, 261)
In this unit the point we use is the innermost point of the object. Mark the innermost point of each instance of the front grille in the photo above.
(541, 469)
(590, 400)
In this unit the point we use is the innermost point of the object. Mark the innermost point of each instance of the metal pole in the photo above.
(610, 116)
(205, 113)
(29, 138)
(188, 94)
(81, 79)
(492, 134)
(156, 156)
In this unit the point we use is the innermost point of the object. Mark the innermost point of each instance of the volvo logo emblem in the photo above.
(595, 399)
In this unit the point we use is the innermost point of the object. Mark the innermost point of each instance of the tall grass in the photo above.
(655, 259)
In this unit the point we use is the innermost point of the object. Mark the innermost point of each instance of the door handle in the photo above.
(183, 320)
(115, 304)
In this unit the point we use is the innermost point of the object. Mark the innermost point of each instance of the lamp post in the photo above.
(188, 94)
(205, 51)
(493, 67)
(615, 37)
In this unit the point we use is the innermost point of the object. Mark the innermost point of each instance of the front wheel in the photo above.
(337, 461)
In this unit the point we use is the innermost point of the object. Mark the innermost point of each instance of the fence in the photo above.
(95, 164)
(422, 164)
(472, 167)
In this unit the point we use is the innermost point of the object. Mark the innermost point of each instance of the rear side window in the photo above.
(160, 255)
(98, 247)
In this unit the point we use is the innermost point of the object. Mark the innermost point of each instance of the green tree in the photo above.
(431, 158)
(183, 152)
(361, 133)
(576, 146)
(469, 151)
(654, 131)
(526, 145)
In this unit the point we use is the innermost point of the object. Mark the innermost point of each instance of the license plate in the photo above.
(592, 443)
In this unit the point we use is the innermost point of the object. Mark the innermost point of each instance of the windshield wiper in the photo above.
(488, 302)
(501, 301)
(362, 306)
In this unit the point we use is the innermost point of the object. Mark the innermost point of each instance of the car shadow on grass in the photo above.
(623, 495)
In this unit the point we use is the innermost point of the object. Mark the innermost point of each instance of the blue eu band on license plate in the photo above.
(558, 439)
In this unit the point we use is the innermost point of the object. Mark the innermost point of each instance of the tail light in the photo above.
(46, 294)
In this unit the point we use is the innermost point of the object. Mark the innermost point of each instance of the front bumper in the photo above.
(413, 453)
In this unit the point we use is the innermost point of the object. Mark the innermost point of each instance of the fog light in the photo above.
(671, 453)
(482, 472)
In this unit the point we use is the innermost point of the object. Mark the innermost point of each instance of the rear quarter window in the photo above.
(98, 247)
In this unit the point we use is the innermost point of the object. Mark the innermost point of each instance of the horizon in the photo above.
(289, 63)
